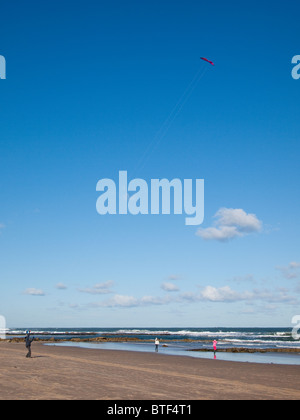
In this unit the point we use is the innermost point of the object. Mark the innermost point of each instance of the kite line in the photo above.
(161, 133)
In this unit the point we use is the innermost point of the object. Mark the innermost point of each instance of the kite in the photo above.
(205, 59)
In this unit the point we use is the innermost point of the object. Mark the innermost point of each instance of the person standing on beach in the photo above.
(215, 345)
(156, 344)
(28, 342)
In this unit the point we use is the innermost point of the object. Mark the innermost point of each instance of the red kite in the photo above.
(205, 59)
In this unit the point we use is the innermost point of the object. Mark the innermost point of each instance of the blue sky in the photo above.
(89, 85)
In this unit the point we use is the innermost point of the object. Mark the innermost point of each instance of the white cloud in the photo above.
(226, 294)
(61, 286)
(222, 233)
(292, 271)
(294, 264)
(125, 301)
(230, 224)
(154, 300)
(238, 218)
(223, 294)
(169, 287)
(209, 293)
(189, 297)
(34, 292)
(174, 277)
(98, 289)
(120, 300)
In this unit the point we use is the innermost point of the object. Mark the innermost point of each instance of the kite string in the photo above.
(181, 105)
(171, 117)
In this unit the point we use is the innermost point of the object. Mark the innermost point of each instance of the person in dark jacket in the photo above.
(28, 341)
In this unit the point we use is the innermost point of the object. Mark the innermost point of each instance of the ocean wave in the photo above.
(242, 337)
(139, 332)
(258, 343)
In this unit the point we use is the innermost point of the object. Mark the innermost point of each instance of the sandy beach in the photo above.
(75, 373)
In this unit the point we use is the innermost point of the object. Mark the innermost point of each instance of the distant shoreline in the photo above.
(121, 339)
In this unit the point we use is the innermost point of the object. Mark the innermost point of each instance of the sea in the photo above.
(183, 341)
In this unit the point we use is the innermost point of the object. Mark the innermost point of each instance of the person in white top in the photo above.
(156, 344)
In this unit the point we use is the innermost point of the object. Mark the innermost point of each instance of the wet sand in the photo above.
(77, 373)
